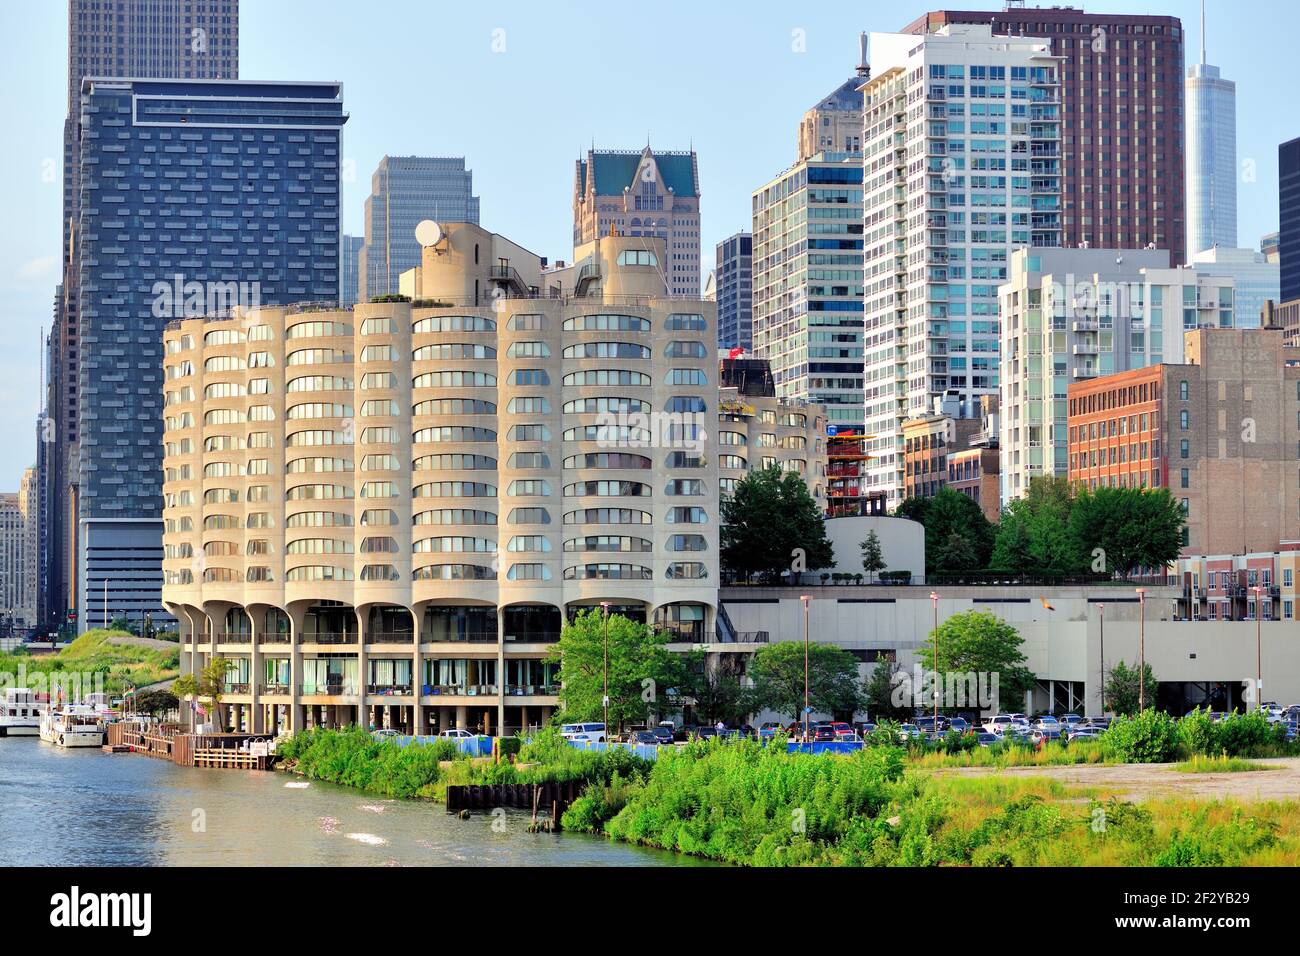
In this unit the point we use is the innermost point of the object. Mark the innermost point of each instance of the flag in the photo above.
(735, 353)
(1045, 604)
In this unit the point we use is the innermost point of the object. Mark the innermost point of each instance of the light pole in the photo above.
(605, 699)
(807, 696)
(1101, 609)
(1142, 649)
(934, 605)
(1259, 658)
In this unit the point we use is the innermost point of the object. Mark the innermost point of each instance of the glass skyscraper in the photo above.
(404, 190)
(196, 197)
(1211, 157)
(734, 292)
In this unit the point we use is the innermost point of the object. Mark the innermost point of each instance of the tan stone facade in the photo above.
(385, 514)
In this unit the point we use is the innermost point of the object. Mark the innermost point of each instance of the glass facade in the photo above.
(405, 190)
(197, 197)
(735, 292)
(1211, 160)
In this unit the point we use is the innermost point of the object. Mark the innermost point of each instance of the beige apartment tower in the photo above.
(384, 515)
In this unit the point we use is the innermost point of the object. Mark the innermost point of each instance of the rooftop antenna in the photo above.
(864, 68)
(1202, 32)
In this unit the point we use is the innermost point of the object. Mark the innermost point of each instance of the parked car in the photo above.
(456, 734)
(1099, 723)
(1046, 722)
(999, 724)
(842, 730)
(385, 733)
(663, 734)
(929, 725)
(769, 729)
(866, 728)
(1083, 733)
(959, 724)
(1069, 720)
(591, 733)
(986, 739)
(1042, 735)
(644, 738)
(908, 732)
(823, 733)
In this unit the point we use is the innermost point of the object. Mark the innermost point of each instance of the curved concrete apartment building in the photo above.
(384, 515)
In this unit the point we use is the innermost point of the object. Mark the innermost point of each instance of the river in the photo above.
(89, 808)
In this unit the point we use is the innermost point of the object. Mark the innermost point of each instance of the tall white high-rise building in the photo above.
(1211, 156)
(962, 165)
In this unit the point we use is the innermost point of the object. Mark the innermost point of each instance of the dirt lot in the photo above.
(1137, 781)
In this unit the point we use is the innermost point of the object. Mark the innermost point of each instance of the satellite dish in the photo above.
(428, 233)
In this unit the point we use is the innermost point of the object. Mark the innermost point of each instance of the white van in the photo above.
(588, 732)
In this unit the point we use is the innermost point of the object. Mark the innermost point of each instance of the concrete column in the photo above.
(461, 718)
(297, 719)
(257, 723)
(501, 670)
(417, 679)
(362, 710)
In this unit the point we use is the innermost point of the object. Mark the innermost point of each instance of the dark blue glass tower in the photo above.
(195, 196)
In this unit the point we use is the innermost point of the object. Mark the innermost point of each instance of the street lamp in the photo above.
(934, 605)
(807, 697)
(1142, 649)
(1101, 609)
(1259, 659)
(605, 700)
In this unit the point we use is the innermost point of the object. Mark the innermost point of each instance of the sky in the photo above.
(522, 88)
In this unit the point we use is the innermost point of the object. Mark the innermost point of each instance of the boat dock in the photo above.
(232, 751)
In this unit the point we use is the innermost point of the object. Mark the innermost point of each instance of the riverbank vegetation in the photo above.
(746, 803)
(355, 758)
(123, 659)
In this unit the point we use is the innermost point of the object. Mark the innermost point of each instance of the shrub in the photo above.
(1148, 737)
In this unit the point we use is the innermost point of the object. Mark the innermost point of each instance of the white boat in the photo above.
(20, 713)
(74, 725)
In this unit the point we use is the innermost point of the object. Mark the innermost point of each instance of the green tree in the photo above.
(1034, 533)
(719, 693)
(642, 671)
(154, 701)
(208, 684)
(1122, 529)
(957, 535)
(980, 642)
(777, 672)
(769, 516)
(879, 693)
(1122, 689)
(873, 556)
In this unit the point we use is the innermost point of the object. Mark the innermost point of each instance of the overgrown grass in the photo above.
(1012, 754)
(740, 803)
(1220, 764)
(92, 654)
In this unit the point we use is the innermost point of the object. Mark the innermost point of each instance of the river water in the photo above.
(89, 808)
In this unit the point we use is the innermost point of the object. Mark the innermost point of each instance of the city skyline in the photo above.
(808, 51)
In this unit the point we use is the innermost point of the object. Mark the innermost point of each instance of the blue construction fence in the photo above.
(651, 751)
(473, 746)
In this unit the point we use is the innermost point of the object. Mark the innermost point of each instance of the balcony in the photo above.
(274, 690)
(329, 637)
(533, 637)
(390, 637)
(462, 637)
(532, 690)
(236, 689)
(389, 690)
(331, 689)
(273, 638)
(234, 637)
(458, 690)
